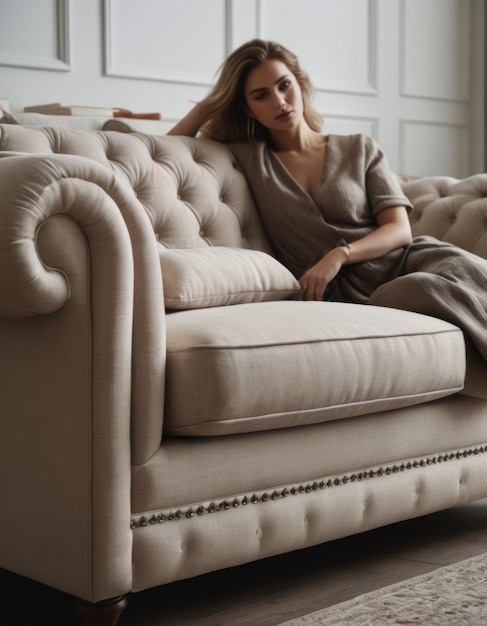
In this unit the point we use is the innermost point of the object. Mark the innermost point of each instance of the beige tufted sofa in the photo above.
(170, 406)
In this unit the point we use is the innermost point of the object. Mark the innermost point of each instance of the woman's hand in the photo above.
(393, 232)
(315, 281)
(194, 120)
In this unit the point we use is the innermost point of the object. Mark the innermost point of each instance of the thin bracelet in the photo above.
(347, 245)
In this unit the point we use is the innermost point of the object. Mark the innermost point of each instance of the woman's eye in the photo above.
(285, 85)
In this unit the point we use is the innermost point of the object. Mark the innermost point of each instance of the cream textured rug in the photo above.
(450, 596)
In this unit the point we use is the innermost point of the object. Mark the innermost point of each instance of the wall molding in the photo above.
(229, 12)
(62, 61)
(370, 86)
(113, 68)
(350, 120)
(428, 91)
(462, 130)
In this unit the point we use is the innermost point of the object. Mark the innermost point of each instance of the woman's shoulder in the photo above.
(247, 150)
(350, 141)
(355, 148)
(250, 156)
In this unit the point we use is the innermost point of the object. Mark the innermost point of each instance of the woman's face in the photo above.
(273, 96)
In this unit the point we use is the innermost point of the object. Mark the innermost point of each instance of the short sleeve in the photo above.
(382, 185)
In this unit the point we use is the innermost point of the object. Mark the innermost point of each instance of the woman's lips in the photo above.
(284, 116)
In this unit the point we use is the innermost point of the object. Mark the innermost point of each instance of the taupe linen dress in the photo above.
(428, 276)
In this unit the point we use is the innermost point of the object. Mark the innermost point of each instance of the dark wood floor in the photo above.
(269, 592)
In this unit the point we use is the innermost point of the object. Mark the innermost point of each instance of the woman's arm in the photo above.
(393, 232)
(192, 122)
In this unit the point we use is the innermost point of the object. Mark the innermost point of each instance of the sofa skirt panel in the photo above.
(185, 545)
(261, 366)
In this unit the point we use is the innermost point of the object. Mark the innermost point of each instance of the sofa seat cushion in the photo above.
(267, 365)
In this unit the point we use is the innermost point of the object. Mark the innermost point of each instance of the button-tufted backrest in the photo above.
(451, 210)
(190, 188)
(195, 196)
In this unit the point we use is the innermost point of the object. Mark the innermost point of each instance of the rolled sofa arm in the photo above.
(36, 189)
(66, 315)
(32, 191)
(81, 368)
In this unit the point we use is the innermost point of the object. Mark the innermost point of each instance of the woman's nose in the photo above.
(278, 100)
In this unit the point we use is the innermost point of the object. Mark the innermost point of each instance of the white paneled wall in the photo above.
(335, 40)
(439, 73)
(45, 46)
(170, 43)
(410, 73)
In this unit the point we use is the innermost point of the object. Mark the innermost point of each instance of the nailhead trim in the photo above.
(325, 483)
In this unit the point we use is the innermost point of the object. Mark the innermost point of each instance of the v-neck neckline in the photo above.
(289, 175)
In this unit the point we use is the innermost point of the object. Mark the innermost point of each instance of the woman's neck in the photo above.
(297, 139)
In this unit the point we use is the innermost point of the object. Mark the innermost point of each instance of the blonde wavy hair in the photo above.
(228, 120)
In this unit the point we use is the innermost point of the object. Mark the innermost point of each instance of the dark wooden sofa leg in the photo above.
(106, 613)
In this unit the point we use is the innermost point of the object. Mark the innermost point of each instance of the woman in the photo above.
(333, 209)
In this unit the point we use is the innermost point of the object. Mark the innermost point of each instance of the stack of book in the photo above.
(56, 108)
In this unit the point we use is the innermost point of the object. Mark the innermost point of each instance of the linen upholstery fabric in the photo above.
(105, 503)
(292, 457)
(64, 444)
(275, 365)
(88, 122)
(218, 276)
(263, 459)
(80, 122)
(454, 211)
(6, 118)
(451, 210)
(150, 127)
(183, 193)
(243, 533)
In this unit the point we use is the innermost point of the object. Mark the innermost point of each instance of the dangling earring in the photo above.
(250, 128)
